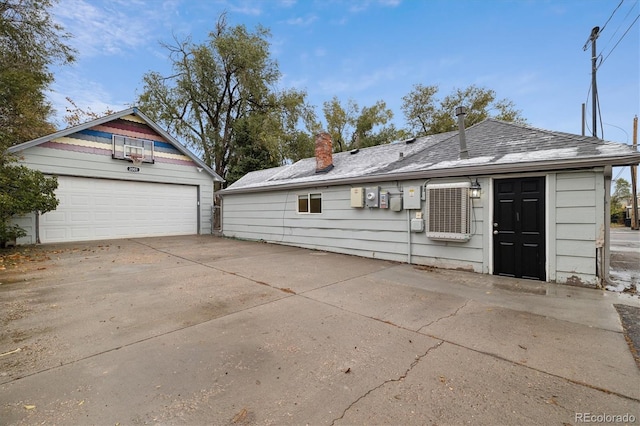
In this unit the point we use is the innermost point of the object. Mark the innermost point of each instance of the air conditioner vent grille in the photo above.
(448, 212)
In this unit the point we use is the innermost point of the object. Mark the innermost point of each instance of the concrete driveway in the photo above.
(205, 330)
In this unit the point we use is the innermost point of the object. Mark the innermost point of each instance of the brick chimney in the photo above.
(324, 152)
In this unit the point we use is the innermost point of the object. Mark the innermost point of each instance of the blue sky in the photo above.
(529, 51)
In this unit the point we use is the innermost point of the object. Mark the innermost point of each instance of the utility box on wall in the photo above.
(411, 196)
(357, 197)
(395, 204)
(384, 200)
(417, 225)
(372, 196)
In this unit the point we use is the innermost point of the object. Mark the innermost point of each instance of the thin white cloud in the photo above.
(301, 22)
(363, 5)
(298, 84)
(449, 61)
(109, 28)
(85, 93)
(360, 82)
(339, 22)
(244, 7)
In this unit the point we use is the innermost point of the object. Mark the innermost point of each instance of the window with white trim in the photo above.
(124, 148)
(449, 211)
(310, 203)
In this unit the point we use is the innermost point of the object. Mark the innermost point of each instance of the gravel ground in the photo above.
(630, 318)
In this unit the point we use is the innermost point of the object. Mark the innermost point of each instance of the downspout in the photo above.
(409, 237)
(606, 253)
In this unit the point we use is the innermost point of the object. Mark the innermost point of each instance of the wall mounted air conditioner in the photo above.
(449, 211)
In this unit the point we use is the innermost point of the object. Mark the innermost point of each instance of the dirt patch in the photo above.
(22, 258)
(424, 268)
(630, 318)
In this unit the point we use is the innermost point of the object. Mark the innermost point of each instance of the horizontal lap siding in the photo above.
(377, 233)
(53, 161)
(576, 227)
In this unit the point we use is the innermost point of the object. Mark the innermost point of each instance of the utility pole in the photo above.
(594, 89)
(634, 179)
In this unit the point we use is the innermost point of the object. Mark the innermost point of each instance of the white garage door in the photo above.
(98, 209)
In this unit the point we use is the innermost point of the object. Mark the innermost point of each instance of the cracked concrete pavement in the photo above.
(205, 330)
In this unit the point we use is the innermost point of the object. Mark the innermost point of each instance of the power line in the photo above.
(620, 25)
(620, 128)
(620, 172)
(591, 41)
(586, 105)
(599, 111)
(616, 45)
(612, 13)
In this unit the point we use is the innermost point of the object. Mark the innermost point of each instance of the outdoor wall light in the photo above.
(475, 189)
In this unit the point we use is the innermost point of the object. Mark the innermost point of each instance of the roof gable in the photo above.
(136, 123)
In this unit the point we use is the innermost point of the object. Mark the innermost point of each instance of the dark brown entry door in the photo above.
(518, 228)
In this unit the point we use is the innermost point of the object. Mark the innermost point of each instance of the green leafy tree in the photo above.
(419, 108)
(278, 126)
(370, 126)
(428, 115)
(22, 191)
(352, 127)
(340, 121)
(298, 146)
(30, 42)
(249, 155)
(621, 195)
(214, 85)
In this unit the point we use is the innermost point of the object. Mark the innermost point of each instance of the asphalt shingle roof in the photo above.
(493, 145)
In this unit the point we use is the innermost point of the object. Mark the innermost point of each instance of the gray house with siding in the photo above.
(504, 199)
(119, 176)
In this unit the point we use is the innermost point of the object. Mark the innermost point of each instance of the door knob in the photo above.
(496, 232)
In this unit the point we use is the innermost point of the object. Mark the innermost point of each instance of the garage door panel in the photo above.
(56, 216)
(103, 209)
(102, 232)
(54, 235)
(102, 203)
(102, 216)
(78, 200)
(80, 233)
(78, 217)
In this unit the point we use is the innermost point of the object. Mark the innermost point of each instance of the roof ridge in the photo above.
(587, 139)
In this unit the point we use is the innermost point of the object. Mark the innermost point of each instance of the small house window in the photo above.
(449, 212)
(310, 203)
